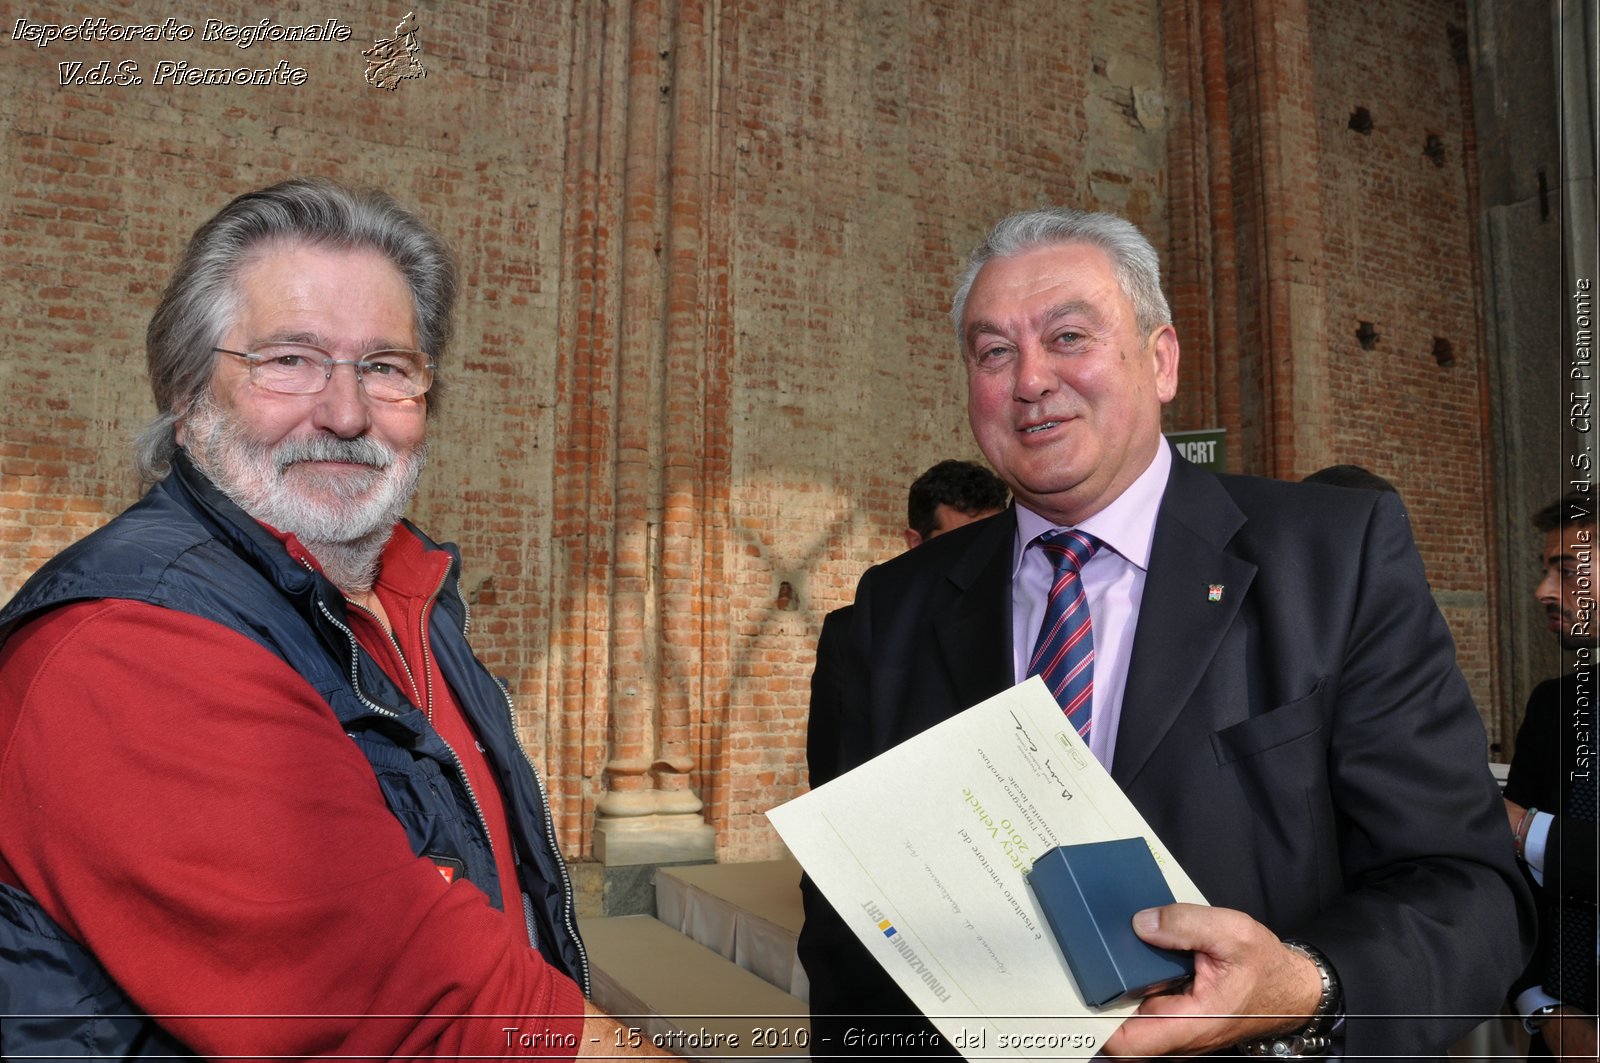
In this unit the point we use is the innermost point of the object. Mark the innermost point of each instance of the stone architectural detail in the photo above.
(642, 483)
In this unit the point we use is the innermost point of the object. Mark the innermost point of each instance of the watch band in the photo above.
(1313, 1038)
(1288, 1046)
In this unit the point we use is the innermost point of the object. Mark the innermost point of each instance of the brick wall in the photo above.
(1290, 229)
(101, 186)
(702, 346)
(1399, 234)
(877, 141)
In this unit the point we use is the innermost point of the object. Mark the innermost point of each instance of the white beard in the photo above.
(344, 521)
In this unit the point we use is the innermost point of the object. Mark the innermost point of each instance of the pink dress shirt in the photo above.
(1114, 582)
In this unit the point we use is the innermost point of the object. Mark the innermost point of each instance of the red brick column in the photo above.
(583, 493)
(642, 467)
(1246, 261)
(1201, 275)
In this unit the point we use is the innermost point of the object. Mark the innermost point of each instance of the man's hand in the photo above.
(1246, 984)
(1570, 1034)
(606, 1038)
(1514, 814)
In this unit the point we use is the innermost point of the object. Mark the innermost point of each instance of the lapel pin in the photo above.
(1214, 593)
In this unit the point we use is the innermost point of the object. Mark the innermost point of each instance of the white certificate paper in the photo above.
(923, 851)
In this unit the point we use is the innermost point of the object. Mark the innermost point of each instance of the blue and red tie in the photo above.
(1064, 651)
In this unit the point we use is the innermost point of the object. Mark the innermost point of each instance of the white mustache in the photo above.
(359, 451)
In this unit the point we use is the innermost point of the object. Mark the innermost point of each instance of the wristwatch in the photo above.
(1314, 1038)
(1540, 1015)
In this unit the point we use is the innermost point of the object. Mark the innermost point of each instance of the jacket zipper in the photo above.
(425, 692)
(427, 669)
(355, 681)
(568, 915)
(355, 684)
(400, 655)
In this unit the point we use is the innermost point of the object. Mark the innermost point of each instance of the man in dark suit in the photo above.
(948, 495)
(1550, 796)
(1272, 685)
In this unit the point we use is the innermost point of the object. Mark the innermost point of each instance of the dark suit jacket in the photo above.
(1540, 777)
(1306, 746)
(822, 725)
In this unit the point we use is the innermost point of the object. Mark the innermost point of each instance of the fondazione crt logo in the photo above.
(898, 942)
(391, 59)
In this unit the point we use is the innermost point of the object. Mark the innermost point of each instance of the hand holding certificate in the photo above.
(924, 851)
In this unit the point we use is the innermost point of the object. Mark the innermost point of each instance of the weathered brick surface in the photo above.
(1290, 228)
(702, 344)
(1401, 252)
(101, 186)
(876, 142)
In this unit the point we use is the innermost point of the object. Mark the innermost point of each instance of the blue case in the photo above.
(1089, 894)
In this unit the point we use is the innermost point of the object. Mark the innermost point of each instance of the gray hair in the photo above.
(202, 299)
(1135, 262)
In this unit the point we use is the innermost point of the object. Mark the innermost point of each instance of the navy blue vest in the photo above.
(185, 546)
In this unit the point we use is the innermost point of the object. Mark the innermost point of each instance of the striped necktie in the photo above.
(1064, 651)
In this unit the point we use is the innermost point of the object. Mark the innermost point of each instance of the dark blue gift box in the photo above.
(1089, 894)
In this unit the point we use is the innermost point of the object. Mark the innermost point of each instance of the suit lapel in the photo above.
(974, 633)
(1180, 626)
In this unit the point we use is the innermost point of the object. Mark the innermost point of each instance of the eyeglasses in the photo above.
(301, 369)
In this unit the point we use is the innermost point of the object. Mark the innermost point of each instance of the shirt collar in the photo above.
(1127, 525)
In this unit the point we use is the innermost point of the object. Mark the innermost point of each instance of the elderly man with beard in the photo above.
(257, 795)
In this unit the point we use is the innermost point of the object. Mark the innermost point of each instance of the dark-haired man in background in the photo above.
(947, 496)
(1550, 795)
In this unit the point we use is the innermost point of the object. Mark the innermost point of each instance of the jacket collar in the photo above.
(1194, 589)
(982, 580)
(240, 532)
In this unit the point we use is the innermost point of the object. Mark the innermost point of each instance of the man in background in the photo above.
(1550, 795)
(1351, 476)
(947, 496)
